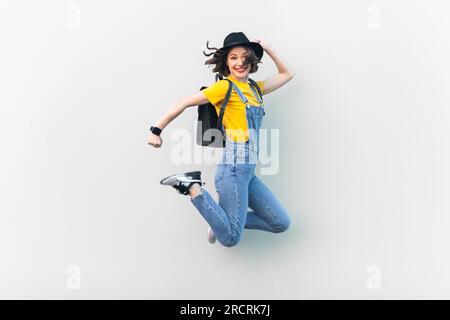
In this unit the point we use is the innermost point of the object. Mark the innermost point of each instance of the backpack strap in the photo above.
(223, 105)
(257, 88)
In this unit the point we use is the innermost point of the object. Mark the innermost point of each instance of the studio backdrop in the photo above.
(358, 155)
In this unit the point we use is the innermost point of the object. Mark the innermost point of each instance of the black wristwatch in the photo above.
(155, 130)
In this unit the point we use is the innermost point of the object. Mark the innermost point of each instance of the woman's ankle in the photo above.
(195, 190)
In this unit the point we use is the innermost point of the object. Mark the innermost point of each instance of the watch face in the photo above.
(155, 130)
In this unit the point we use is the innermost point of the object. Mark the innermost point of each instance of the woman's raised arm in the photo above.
(284, 74)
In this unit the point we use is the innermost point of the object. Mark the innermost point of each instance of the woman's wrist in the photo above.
(155, 130)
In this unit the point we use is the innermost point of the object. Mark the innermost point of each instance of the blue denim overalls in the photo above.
(239, 188)
(240, 152)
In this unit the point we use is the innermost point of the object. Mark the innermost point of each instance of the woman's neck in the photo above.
(239, 80)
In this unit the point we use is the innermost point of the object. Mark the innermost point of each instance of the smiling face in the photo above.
(236, 62)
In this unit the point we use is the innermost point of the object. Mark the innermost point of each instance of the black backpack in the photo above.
(210, 132)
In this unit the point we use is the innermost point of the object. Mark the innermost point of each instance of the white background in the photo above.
(364, 154)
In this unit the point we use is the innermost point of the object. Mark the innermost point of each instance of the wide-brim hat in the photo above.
(238, 38)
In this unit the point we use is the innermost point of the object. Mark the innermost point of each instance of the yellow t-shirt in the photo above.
(234, 118)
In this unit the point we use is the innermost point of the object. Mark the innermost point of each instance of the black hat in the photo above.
(238, 38)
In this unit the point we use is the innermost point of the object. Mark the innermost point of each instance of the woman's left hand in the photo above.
(264, 44)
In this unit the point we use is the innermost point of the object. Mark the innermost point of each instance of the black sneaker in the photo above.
(183, 181)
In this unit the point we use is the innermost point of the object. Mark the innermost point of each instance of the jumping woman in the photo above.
(237, 185)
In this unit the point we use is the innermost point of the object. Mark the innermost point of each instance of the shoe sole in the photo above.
(175, 178)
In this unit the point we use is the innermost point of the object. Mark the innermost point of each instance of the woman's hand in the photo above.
(154, 140)
(264, 44)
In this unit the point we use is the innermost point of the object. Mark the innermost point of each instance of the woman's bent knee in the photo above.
(231, 241)
(283, 225)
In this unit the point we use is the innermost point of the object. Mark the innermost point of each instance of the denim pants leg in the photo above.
(268, 213)
(239, 188)
(227, 217)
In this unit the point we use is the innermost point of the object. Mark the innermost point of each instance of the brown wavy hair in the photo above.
(219, 61)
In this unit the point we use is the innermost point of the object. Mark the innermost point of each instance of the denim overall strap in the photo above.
(241, 95)
(255, 94)
(246, 152)
(244, 98)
